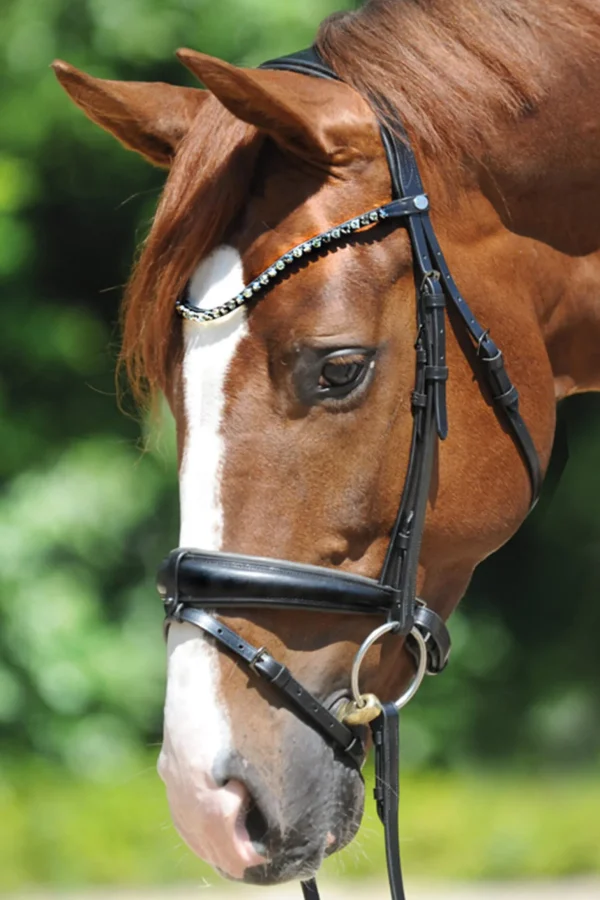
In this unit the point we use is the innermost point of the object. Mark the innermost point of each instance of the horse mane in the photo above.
(201, 197)
(458, 69)
(455, 70)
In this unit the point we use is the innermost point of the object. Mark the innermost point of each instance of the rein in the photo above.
(191, 581)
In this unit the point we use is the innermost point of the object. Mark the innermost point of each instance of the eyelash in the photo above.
(356, 392)
(311, 369)
(344, 362)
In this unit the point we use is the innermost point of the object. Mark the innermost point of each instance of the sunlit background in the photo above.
(502, 753)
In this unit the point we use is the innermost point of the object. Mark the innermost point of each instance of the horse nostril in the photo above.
(254, 817)
(257, 827)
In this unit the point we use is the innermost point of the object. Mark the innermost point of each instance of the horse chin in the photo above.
(327, 828)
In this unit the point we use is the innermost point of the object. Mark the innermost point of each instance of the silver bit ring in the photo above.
(415, 684)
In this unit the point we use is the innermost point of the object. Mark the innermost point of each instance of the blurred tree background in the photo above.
(85, 514)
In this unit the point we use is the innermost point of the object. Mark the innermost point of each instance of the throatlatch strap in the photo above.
(386, 737)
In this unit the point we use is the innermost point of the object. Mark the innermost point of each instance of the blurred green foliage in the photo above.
(85, 514)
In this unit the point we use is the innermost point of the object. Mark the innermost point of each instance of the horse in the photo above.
(295, 397)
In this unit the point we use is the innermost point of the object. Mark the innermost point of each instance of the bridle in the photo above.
(190, 581)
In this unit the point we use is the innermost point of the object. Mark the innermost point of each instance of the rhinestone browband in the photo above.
(407, 206)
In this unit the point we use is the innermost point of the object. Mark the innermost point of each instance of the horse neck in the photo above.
(571, 326)
(536, 196)
(544, 185)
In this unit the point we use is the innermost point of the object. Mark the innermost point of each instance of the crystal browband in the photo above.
(406, 206)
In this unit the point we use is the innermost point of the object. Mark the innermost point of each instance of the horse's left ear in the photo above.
(150, 118)
(294, 110)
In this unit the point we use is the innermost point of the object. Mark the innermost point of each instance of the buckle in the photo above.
(256, 659)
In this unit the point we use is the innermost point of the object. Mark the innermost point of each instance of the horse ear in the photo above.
(150, 118)
(286, 106)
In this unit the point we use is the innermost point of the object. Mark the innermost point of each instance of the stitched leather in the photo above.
(502, 390)
(303, 62)
(436, 636)
(192, 579)
(387, 791)
(261, 662)
(226, 579)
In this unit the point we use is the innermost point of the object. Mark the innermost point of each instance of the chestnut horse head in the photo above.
(293, 412)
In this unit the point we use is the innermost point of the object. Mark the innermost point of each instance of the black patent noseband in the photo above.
(191, 581)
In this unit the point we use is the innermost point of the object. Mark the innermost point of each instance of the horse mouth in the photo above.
(299, 853)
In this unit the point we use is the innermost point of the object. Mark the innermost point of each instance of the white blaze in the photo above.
(209, 348)
(196, 728)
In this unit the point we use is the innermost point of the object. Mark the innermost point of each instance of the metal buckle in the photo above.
(173, 609)
(483, 337)
(256, 658)
(431, 275)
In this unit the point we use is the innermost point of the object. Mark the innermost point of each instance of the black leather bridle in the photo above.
(191, 581)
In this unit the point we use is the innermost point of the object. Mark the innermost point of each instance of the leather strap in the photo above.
(310, 890)
(437, 639)
(386, 739)
(225, 581)
(222, 580)
(504, 393)
(263, 665)
(304, 62)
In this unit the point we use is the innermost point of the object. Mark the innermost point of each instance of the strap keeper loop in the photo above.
(431, 283)
(402, 540)
(401, 618)
(495, 363)
(281, 677)
(434, 300)
(436, 373)
(508, 398)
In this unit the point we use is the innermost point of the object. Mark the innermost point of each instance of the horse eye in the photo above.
(341, 374)
(323, 375)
